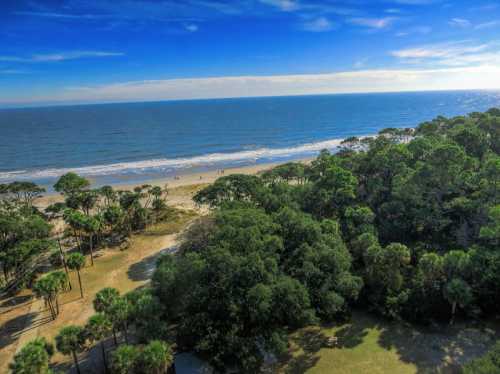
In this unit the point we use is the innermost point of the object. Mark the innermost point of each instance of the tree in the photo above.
(70, 184)
(76, 261)
(236, 187)
(97, 329)
(118, 313)
(124, 359)
(33, 358)
(71, 341)
(491, 232)
(48, 287)
(24, 192)
(103, 301)
(91, 226)
(155, 358)
(457, 292)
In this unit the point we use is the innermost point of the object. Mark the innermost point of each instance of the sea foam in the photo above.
(174, 163)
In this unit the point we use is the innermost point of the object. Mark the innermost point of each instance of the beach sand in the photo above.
(181, 189)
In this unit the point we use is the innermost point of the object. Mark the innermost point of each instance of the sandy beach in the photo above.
(181, 189)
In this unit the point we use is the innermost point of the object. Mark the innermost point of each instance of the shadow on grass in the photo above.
(13, 328)
(15, 301)
(443, 349)
(144, 269)
(89, 361)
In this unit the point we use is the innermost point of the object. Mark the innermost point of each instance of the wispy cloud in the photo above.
(374, 23)
(284, 5)
(320, 24)
(462, 53)
(62, 56)
(384, 80)
(459, 22)
(487, 25)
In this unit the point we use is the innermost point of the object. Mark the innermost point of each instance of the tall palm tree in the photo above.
(76, 261)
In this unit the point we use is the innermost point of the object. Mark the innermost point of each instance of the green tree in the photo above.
(76, 261)
(491, 232)
(49, 287)
(119, 314)
(71, 341)
(155, 358)
(70, 184)
(457, 292)
(124, 359)
(103, 301)
(33, 358)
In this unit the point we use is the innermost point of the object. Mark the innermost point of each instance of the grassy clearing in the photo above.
(125, 270)
(368, 345)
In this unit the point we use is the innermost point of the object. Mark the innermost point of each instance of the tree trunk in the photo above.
(91, 252)
(453, 310)
(57, 305)
(64, 263)
(115, 340)
(51, 308)
(80, 283)
(103, 350)
(76, 362)
(125, 334)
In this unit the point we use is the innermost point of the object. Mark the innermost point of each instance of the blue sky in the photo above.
(78, 51)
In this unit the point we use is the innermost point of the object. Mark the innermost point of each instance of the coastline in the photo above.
(182, 188)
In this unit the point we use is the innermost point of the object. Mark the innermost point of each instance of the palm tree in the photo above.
(48, 287)
(119, 314)
(33, 358)
(457, 292)
(155, 358)
(76, 261)
(71, 341)
(98, 328)
(103, 301)
(91, 226)
(124, 359)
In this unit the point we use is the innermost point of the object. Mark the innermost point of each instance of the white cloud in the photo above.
(487, 25)
(459, 22)
(285, 5)
(451, 54)
(478, 77)
(62, 56)
(375, 23)
(191, 27)
(320, 24)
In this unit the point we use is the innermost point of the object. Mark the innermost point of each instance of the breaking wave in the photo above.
(174, 163)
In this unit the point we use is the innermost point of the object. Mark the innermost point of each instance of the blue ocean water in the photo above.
(113, 143)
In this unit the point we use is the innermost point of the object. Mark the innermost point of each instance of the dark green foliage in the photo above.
(233, 187)
(71, 341)
(124, 359)
(411, 214)
(33, 358)
(71, 183)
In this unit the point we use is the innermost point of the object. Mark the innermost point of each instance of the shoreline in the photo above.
(181, 188)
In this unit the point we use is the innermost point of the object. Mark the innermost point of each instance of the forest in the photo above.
(405, 225)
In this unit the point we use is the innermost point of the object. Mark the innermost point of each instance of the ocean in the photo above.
(134, 142)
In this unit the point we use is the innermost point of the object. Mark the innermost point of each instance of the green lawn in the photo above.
(368, 345)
